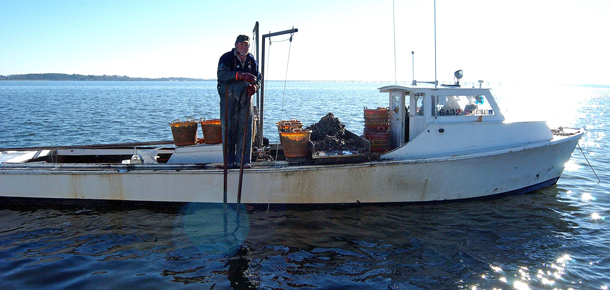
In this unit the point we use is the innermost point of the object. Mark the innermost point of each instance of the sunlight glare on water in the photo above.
(571, 166)
(587, 197)
(596, 216)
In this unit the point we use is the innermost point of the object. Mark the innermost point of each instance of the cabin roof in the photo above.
(442, 90)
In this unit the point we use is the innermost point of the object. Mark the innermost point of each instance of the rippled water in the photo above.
(555, 238)
(61, 113)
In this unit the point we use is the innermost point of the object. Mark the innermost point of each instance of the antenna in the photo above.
(413, 67)
(394, 26)
(435, 79)
(435, 82)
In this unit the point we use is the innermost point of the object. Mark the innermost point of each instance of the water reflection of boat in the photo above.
(446, 143)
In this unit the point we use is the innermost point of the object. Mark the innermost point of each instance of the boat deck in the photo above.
(116, 157)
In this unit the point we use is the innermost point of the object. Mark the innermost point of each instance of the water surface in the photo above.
(555, 238)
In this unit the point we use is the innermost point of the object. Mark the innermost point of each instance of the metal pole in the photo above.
(243, 152)
(258, 101)
(413, 66)
(262, 98)
(224, 151)
(279, 33)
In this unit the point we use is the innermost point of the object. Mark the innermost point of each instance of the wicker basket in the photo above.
(212, 131)
(184, 133)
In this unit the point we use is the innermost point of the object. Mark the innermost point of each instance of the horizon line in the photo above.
(127, 78)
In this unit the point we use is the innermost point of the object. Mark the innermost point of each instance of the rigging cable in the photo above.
(286, 76)
(277, 149)
(283, 100)
(583, 154)
(285, 79)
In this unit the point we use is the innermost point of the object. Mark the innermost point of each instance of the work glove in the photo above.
(240, 76)
(251, 90)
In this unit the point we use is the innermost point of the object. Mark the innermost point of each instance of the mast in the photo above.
(435, 82)
(394, 27)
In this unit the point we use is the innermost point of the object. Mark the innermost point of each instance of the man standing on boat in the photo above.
(238, 80)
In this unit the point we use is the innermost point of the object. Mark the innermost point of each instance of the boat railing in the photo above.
(93, 146)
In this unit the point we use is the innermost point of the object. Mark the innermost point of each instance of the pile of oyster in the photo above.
(329, 135)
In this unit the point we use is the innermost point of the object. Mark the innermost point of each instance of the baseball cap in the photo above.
(242, 38)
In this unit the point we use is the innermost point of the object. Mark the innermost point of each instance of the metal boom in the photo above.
(262, 90)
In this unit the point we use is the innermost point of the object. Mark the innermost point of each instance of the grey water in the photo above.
(554, 238)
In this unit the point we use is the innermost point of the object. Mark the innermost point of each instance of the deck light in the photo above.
(458, 74)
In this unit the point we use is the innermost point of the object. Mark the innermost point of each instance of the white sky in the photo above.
(559, 41)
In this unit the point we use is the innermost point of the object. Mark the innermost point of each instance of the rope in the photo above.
(266, 78)
(583, 154)
(283, 100)
(285, 78)
(287, 39)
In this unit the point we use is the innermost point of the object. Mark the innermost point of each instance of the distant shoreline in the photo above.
(78, 77)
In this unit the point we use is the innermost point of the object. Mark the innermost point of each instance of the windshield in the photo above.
(463, 106)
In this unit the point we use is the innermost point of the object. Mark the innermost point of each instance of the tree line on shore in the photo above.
(77, 77)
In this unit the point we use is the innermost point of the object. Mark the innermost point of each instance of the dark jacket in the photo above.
(228, 66)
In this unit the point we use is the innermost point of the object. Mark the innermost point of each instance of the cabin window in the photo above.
(396, 103)
(419, 107)
(463, 106)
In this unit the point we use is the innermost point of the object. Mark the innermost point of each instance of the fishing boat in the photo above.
(443, 143)
(426, 143)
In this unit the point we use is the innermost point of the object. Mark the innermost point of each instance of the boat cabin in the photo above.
(413, 109)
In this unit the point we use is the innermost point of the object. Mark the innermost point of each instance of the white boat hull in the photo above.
(417, 180)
